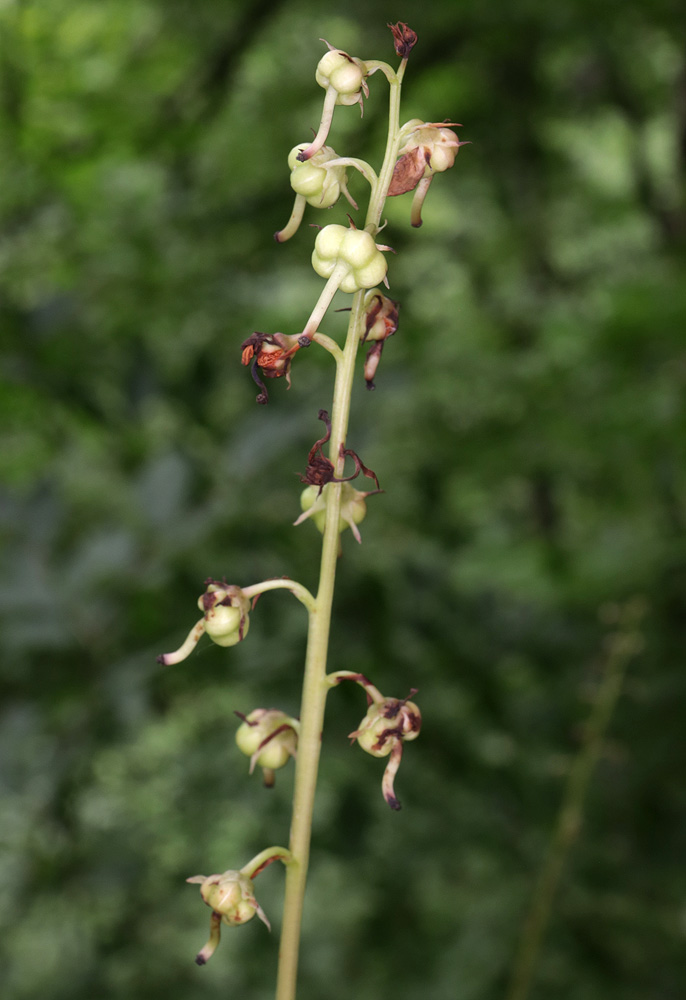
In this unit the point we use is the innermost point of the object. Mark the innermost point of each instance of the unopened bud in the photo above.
(356, 249)
(226, 613)
(404, 38)
(319, 185)
(269, 737)
(344, 73)
(232, 900)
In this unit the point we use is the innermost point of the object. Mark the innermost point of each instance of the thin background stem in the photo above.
(622, 647)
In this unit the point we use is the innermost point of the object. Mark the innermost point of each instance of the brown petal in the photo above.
(409, 170)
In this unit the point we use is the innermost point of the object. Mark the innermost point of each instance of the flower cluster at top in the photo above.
(348, 256)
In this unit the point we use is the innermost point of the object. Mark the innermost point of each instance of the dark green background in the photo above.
(528, 427)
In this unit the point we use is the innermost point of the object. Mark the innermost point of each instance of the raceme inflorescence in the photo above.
(352, 260)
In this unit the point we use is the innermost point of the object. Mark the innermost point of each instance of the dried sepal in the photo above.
(320, 470)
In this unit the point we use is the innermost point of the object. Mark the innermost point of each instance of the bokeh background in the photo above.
(528, 427)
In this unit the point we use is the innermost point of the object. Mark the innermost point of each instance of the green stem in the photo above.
(282, 583)
(315, 684)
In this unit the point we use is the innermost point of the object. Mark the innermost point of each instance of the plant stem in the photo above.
(315, 685)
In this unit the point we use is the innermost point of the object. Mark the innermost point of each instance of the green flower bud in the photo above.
(430, 148)
(356, 248)
(321, 187)
(269, 737)
(344, 73)
(439, 144)
(231, 895)
(226, 613)
(232, 900)
(380, 323)
(353, 507)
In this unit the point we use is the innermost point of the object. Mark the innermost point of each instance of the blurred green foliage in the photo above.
(529, 428)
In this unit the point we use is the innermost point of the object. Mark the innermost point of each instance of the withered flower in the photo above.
(272, 353)
(320, 470)
(404, 38)
(381, 322)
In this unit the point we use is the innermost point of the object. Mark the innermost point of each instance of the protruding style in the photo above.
(225, 621)
(387, 725)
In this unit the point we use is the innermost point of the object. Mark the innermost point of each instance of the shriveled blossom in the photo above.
(380, 323)
(271, 353)
(404, 38)
(320, 470)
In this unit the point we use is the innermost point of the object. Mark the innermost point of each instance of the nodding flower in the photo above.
(225, 620)
(381, 322)
(231, 896)
(315, 183)
(344, 78)
(388, 724)
(430, 148)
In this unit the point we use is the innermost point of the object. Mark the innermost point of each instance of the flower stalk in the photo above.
(352, 262)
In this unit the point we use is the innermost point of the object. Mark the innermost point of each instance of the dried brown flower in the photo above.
(320, 470)
(404, 38)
